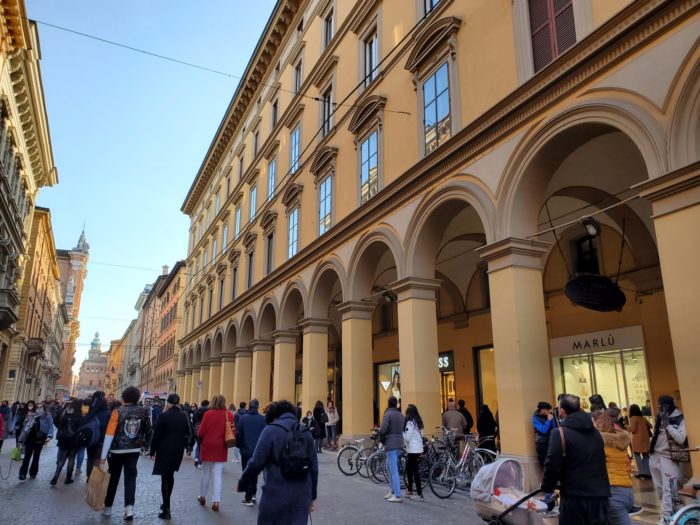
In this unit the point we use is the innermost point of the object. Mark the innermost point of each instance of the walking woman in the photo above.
(214, 453)
(37, 430)
(99, 408)
(413, 436)
(641, 434)
(321, 418)
(332, 426)
(170, 437)
(68, 421)
(486, 427)
(18, 421)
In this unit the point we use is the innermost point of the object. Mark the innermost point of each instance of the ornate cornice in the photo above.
(366, 110)
(323, 159)
(429, 39)
(292, 194)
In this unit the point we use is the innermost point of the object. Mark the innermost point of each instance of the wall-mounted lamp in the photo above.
(592, 226)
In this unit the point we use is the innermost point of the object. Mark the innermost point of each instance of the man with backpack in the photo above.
(127, 430)
(286, 451)
(249, 428)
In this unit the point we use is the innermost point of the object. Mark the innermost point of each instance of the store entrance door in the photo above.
(485, 370)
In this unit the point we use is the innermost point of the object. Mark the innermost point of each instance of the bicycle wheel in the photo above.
(442, 479)
(361, 461)
(487, 456)
(346, 459)
(376, 465)
(688, 515)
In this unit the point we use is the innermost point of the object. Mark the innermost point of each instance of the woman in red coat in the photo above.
(214, 452)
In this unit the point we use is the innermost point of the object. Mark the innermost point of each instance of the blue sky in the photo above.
(129, 132)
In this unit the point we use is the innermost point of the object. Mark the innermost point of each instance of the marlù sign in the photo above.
(595, 342)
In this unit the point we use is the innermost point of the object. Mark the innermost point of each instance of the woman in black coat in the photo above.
(486, 427)
(171, 435)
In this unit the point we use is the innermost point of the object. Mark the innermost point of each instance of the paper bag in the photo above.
(97, 489)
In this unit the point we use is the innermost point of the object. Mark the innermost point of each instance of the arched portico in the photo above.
(215, 364)
(288, 344)
(244, 359)
(262, 347)
(228, 362)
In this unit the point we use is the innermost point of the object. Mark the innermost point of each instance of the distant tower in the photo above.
(95, 346)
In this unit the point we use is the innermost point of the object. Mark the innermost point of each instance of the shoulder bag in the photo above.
(229, 436)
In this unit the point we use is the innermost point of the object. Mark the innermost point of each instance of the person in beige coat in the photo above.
(641, 431)
(453, 419)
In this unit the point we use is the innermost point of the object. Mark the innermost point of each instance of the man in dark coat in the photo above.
(467, 416)
(576, 459)
(283, 500)
(250, 426)
(170, 437)
(196, 421)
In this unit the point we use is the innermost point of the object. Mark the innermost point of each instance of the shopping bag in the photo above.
(16, 454)
(97, 489)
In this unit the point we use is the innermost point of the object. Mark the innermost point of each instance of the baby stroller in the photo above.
(499, 497)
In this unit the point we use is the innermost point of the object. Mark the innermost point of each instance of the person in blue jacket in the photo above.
(250, 426)
(543, 422)
(284, 500)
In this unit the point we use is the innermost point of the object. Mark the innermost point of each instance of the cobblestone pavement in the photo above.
(342, 500)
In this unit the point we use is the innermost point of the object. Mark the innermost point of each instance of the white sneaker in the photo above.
(129, 512)
(107, 511)
(389, 495)
(394, 499)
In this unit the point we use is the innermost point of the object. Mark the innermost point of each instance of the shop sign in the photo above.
(446, 361)
(595, 342)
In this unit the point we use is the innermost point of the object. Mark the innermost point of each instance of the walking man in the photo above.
(576, 459)
(391, 435)
(250, 426)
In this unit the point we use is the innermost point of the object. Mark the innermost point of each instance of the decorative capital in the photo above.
(261, 345)
(357, 310)
(312, 325)
(416, 288)
(521, 253)
(285, 336)
(673, 191)
(243, 351)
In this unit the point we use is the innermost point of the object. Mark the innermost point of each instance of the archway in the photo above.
(244, 360)
(263, 364)
(288, 341)
(228, 363)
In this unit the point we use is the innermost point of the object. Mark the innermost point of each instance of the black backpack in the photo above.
(295, 459)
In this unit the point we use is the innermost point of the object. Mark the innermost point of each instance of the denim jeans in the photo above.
(392, 458)
(79, 458)
(620, 503)
(642, 461)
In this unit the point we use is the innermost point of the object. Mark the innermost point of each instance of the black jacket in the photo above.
(468, 416)
(197, 417)
(582, 471)
(249, 427)
(171, 434)
(67, 422)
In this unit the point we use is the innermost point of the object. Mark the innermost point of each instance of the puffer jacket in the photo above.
(127, 430)
(542, 427)
(413, 437)
(616, 459)
(391, 429)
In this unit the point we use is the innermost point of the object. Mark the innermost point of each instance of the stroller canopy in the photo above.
(502, 473)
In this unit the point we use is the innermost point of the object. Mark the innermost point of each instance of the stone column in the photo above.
(262, 366)
(194, 391)
(204, 378)
(521, 346)
(675, 200)
(215, 378)
(418, 348)
(228, 373)
(285, 364)
(314, 362)
(186, 393)
(357, 368)
(242, 377)
(180, 384)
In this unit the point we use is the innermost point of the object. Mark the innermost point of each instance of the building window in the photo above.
(224, 236)
(237, 225)
(429, 5)
(205, 253)
(240, 166)
(228, 185)
(211, 300)
(256, 143)
(369, 171)
(253, 201)
(275, 107)
(234, 283)
(213, 250)
(217, 204)
(293, 235)
(294, 148)
(201, 309)
(208, 216)
(325, 198)
(326, 110)
(250, 270)
(221, 293)
(436, 109)
(586, 255)
(327, 29)
(297, 76)
(199, 230)
(552, 29)
(271, 177)
(371, 57)
(269, 252)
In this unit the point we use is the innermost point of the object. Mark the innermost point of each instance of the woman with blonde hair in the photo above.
(617, 462)
(211, 433)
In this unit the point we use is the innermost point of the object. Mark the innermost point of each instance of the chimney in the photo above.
(165, 269)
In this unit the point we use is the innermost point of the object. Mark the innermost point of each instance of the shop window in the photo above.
(586, 255)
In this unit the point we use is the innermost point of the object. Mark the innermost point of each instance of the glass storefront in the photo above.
(620, 376)
(486, 376)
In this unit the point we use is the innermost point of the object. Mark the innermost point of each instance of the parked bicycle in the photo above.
(352, 458)
(447, 475)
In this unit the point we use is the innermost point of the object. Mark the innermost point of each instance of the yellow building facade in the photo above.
(393, 204)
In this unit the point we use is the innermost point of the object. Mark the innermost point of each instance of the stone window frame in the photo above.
(268, 222)
(524, 61)
(434, 45)
(372, 27)
(323, 166)
(291, 200)
(328, 11)
(368, 118)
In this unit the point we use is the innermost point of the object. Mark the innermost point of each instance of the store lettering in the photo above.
(443, 362)
(596, 342)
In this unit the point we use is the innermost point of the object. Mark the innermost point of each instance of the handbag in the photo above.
(229, 436)
(16, 454)
(678, 452)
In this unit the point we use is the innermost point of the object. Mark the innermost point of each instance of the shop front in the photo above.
(611, 363)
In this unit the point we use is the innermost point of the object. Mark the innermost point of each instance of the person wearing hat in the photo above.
(669, 437)
(543, 422)
(171, 435)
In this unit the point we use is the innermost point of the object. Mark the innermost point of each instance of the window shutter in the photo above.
(564, 23)
(540, 28)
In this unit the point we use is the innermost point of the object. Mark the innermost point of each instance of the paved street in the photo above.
(342, 500)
